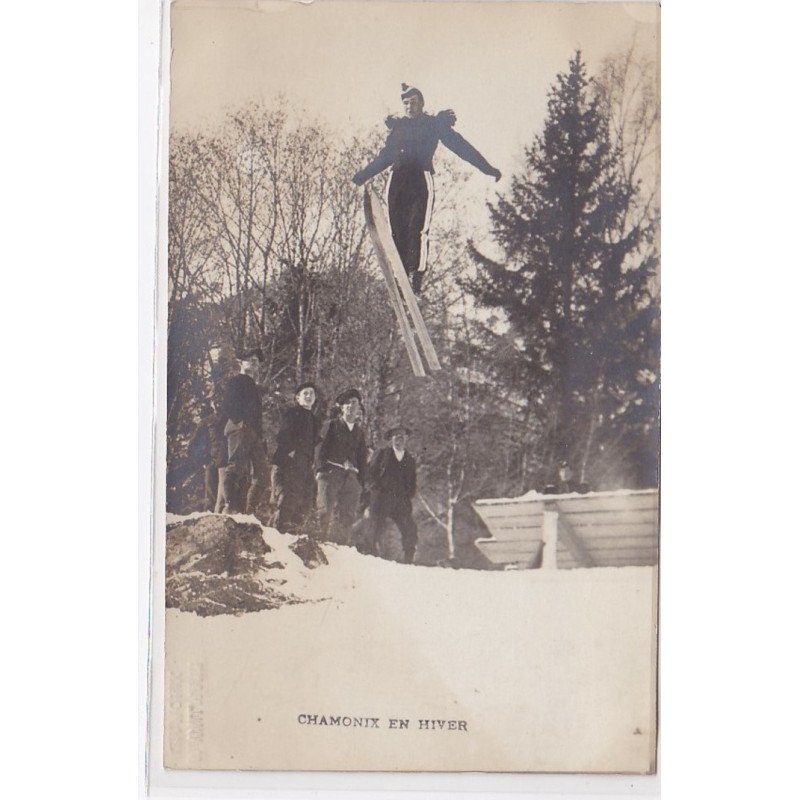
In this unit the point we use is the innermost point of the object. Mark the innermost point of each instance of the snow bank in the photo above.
(219, 564)
(548, 670)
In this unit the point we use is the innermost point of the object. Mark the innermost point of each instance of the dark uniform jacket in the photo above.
(297, 437)
(242, 402)
(412, 143)
(388, 476)
(340, 444)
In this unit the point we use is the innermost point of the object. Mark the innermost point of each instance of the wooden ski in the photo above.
(400, 292)
(394, 293)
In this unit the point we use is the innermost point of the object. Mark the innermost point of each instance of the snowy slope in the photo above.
(547, 671)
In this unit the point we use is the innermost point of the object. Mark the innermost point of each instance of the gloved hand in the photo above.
(496, 174)
(359, 179)
(447, 117)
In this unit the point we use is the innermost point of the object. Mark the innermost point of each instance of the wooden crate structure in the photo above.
(597, 529)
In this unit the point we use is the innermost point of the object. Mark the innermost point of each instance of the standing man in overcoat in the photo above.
(247, 459)
(293, 462)
(392, 484)
(341, 469)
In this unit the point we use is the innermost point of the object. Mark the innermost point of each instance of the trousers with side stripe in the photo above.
(410, 201)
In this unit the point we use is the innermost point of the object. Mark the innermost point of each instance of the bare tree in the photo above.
(627, 87)
(189, 241)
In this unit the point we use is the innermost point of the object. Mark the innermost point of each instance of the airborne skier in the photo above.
(409, 150)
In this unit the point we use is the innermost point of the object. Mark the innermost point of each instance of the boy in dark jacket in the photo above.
(293, 462)
(392, 483)
(341, 469)
(409, 150)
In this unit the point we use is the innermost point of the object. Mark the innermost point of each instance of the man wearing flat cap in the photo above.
(293, 462)
(409, 150)
(392, 483)
(341, 468)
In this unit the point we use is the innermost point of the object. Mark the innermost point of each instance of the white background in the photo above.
(75, 479)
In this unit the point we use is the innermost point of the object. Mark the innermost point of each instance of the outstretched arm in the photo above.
(379, 164)
(383, 160)
(463, 149)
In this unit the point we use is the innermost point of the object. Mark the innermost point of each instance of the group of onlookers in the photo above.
(323, 476)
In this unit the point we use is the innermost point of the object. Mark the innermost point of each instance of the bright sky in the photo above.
(492, 62)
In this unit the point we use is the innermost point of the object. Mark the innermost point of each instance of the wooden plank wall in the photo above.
(516, 532)
(603, 529)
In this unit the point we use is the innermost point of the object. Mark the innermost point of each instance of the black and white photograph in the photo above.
(412, 399)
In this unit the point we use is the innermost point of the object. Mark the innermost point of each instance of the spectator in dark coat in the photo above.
(293, 462)
(247, 460)
(341, 469)
(392, 483)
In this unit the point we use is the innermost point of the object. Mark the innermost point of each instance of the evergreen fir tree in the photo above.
(575, 284)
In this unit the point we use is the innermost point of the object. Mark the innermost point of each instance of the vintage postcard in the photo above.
(412, 387)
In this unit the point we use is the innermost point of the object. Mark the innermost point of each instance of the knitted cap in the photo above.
(410, 91)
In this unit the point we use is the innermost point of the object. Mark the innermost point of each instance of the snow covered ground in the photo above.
(538, 671)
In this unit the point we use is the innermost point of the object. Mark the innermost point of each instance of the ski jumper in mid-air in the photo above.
(409, 150)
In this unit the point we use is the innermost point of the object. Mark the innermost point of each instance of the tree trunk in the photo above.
(318, 360)
(301, 338)
(523, 469)
(451, 546)
(590, 437)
